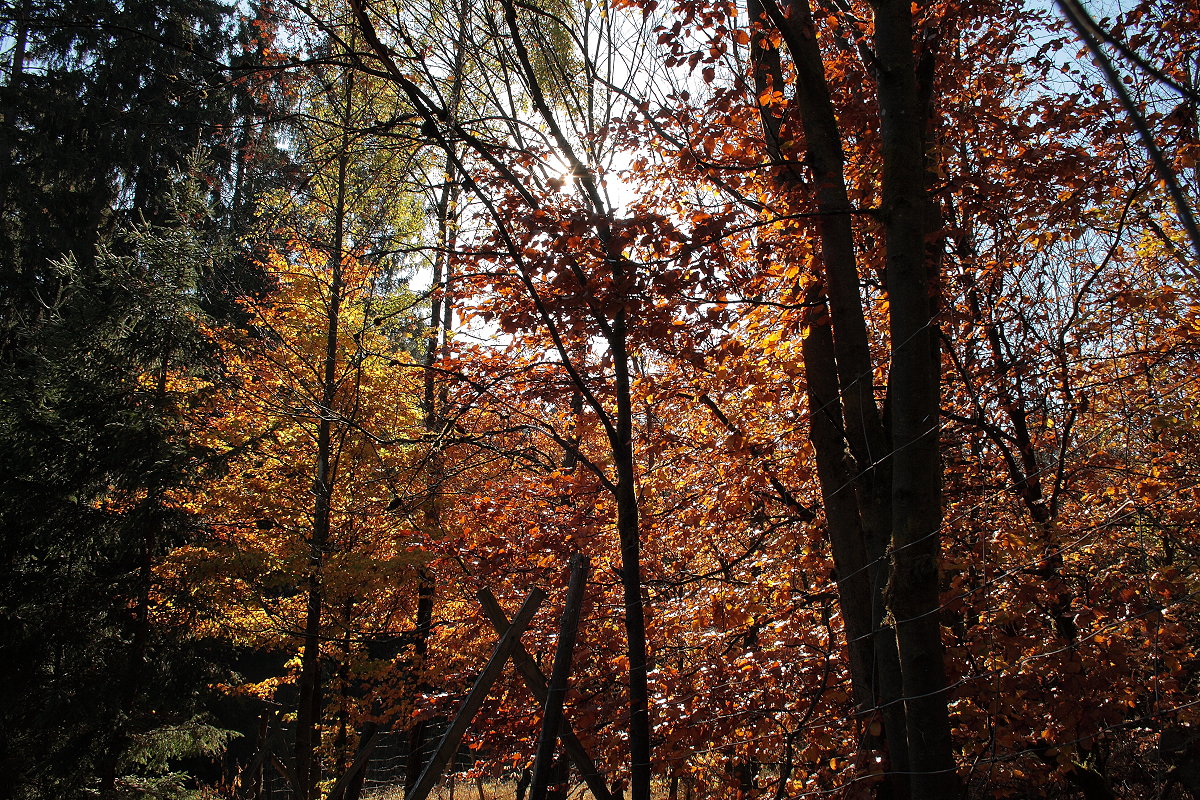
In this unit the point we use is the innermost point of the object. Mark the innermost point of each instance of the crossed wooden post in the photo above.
(536, 681)
(550, 694)
(452, 738)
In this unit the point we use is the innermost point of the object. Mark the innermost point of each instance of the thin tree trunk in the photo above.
(836, 475)
(151, 529)
(629, 535)
(440, 314)
(16, 66)
(308, 716)
(418, 734)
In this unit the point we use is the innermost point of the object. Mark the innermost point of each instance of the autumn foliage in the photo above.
(855, 344)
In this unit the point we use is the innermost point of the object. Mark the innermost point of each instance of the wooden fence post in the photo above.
(359, 763)
(559, 674)
(536, 681)
(252, 773)
(453, 736)
(284, 771)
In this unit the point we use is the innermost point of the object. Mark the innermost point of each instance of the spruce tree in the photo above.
(105, 263)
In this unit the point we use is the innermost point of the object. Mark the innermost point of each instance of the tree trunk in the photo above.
(629, 535)
(440, 315)
(418, 734)
(881, 483)
(16, 67)
(847, 428)
(914, 388)
(308, 715)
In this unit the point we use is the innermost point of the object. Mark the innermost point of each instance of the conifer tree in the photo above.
(89, 419)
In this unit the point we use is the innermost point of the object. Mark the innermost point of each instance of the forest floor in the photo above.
(472, 790)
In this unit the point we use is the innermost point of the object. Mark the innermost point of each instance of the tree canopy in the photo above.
(853, 345)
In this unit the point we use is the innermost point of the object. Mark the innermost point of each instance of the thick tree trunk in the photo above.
(849, 436)
(914, 388)
(895, 480)
(836, 476)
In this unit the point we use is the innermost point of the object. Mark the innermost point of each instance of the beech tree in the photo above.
(316, 348)
(879, 468)
(855, 344)
(589, 296)
(285, 569)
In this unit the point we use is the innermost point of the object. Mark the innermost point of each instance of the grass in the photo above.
(470, 789)
(462, 789)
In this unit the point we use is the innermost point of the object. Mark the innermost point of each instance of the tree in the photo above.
(854, 343)
(91, 421)
(827, 161)
(257, 578)
(321, 346)
(588, 295)
(104, 106)
(103, 103)
(883, 532)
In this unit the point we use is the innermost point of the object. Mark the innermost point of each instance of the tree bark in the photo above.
(629, 535)
(440, 311)
(881, 479)
(848, 432)
(914, 390)
(308, 715)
